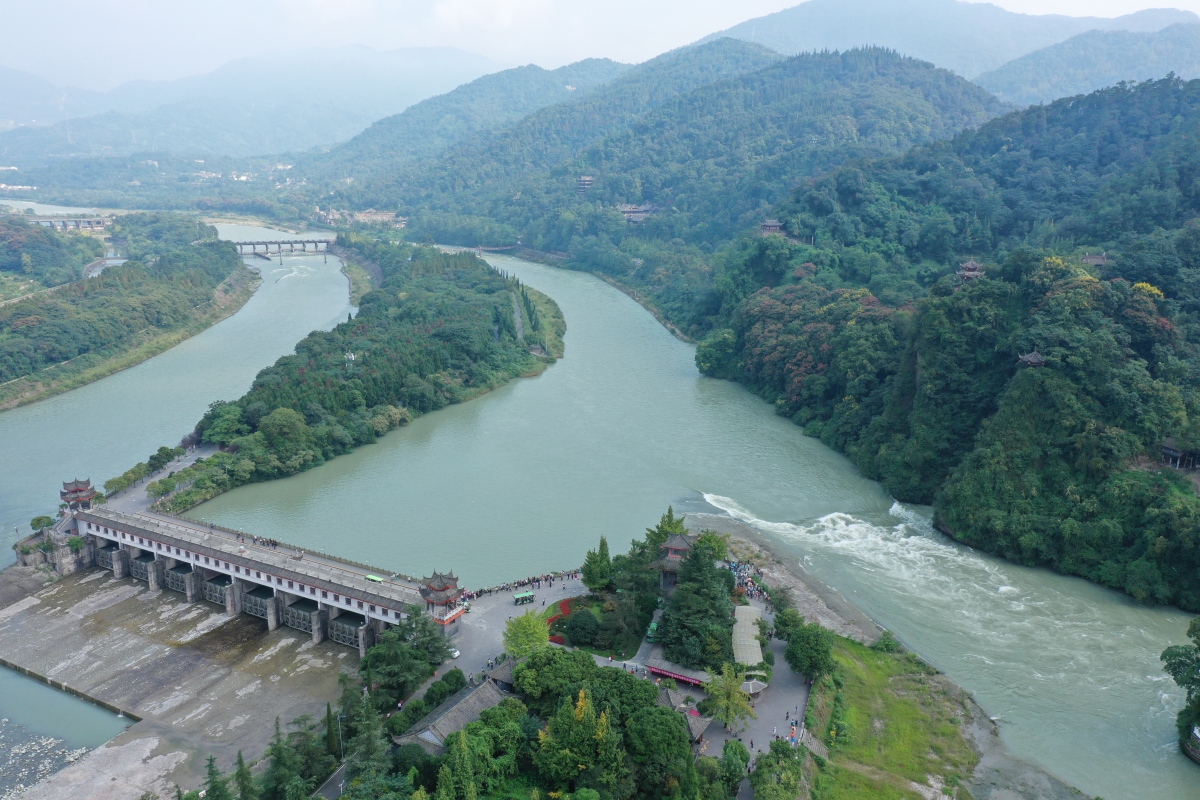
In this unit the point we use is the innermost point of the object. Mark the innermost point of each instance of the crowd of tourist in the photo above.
(746, 576)
(535, 582)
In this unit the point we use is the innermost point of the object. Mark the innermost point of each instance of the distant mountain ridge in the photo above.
(487, 103)
(557, 133)
(1094, 60)
(266, 104)
(969, 38)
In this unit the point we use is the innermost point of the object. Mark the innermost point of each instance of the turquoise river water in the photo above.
(526, 478)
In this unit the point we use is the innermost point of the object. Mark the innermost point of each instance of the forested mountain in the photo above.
(555, 134)
(1094, 60)
(713, 160)
(966, 37)
(265, 104)
(429, 127)
(869, 339)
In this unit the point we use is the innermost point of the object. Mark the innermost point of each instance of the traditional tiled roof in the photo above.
(440, 588)
(669, 698)
(503, 673)
(657, 664)
(697, 725)
(679, 541)
(456, 713)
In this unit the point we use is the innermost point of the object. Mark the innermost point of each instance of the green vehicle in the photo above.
(522, 598)
(653, 632)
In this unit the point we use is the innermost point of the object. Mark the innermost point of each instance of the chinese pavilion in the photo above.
(78, 494)
(440, 590)
(772, 226)
(1034, 359)
(674, 550)
(970, 270)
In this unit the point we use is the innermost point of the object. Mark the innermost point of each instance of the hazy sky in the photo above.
(99, 43)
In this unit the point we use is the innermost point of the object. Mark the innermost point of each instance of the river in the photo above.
(526, 478)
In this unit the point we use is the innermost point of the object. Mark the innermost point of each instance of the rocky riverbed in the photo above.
(27, 758)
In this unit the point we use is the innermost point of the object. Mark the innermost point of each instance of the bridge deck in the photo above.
(312, 575)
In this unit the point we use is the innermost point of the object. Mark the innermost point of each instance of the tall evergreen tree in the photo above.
(597, 568)
(332, 742)
(215, 786)
(243, 780)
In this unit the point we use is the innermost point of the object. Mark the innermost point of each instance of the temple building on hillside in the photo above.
(583, 184)
(78, 494)
(1175, 456)
(674, 550)
(1034, 359)
(1095, 259)
(634, 213)
(772, 226)
(970, 270)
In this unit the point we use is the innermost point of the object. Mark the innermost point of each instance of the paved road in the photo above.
(134, 500)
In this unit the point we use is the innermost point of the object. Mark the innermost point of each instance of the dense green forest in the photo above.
(167, 284)
(440, 330)
(711, 161)
(868, 338)
(42, 254)
(547, 138)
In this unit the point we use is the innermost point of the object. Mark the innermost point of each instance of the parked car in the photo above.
(454, 652)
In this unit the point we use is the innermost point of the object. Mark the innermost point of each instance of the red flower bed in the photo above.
(565, 608)
(554, 619)
(556, 639)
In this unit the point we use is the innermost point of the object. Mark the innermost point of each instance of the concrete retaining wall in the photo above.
(62, 687)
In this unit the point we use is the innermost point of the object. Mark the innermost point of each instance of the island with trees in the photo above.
(441, 329)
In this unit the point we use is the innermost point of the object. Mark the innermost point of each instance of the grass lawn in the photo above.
(896, 719)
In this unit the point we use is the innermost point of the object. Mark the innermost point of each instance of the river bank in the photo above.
(998, 775)
(228, 298)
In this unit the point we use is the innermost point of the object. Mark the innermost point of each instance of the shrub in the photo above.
(76, 543)
(887, 643)
(582, 627)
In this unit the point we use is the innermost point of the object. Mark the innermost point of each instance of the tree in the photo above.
(333, 742)
(734, 758)
(667, 526)
(1182, 663)
(787, 622)
(568, 745)
(370, 751)
(810, 651)
(396, 668)
(582, 627)
(717, 543)
(41, 523)
(597, 568)
(243, 780)
(215, 787)
(661, 752)
(283, 765)
(424, 635)
(731, 703)
(525, 634)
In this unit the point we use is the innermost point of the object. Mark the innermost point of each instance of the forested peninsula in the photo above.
(441, 329)
(178, 281)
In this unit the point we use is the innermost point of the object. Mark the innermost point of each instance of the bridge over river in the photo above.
(323, 595)
(319, 245)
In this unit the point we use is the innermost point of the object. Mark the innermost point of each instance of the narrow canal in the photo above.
(527, 478)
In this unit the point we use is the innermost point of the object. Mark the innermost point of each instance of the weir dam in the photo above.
(322, 595)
